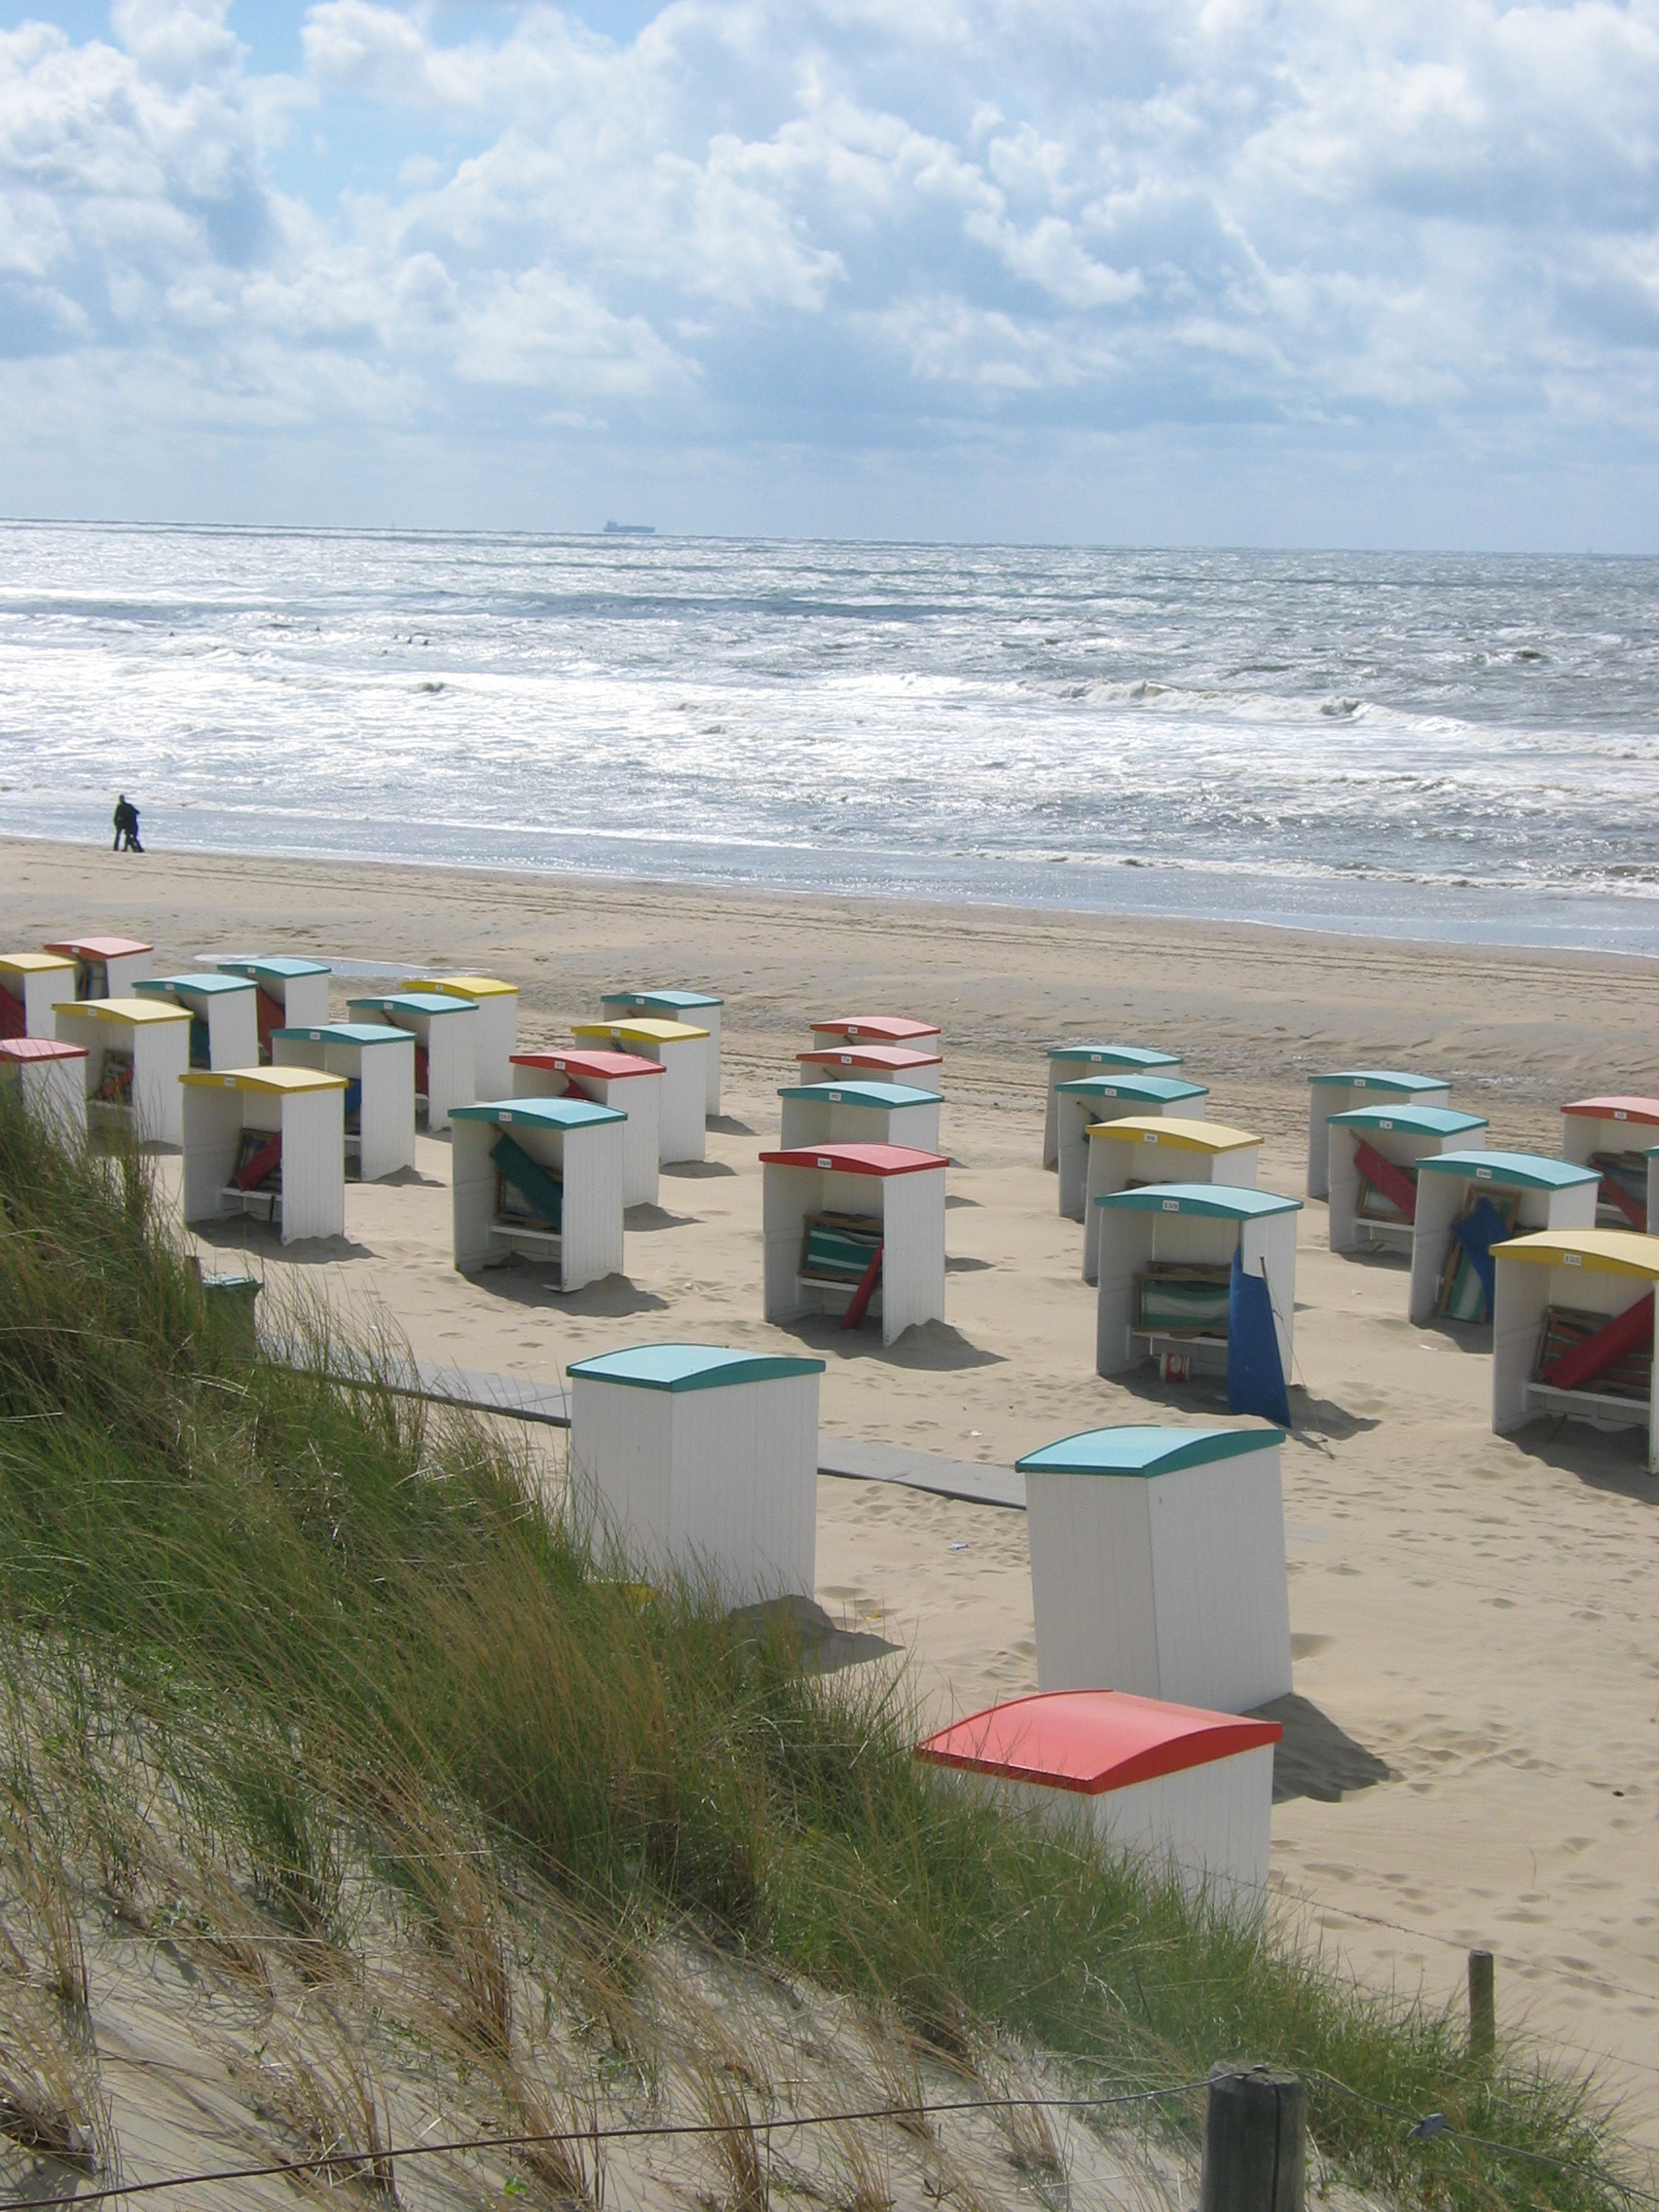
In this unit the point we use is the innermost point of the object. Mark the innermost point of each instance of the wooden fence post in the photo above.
(1255, 2141)
(1483, 2005)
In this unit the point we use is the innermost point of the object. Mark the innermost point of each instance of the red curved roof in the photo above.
(98, 947)
(39, 1049)
(876, 1028)
(858, 1159)
(1619, 1109)
(869, 1056)
(606, 1067)
(1092, 1741)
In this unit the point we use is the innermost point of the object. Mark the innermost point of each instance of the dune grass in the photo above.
(329, 1607)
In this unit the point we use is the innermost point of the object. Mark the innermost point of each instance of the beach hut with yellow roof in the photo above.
(1572, 1332)
(494, 1034)
(1151, 1148)
(270, 1143)
(136, 1049)
(444, 1028)
(32, 985)
(702, 1010)
(682, 1048)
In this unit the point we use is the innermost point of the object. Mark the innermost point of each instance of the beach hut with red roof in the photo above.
(105, 967)
(50, 1078)
(858, 1061)
(1187, 1791)
(855, 1229)
(1613, 1134)
(627, 1081)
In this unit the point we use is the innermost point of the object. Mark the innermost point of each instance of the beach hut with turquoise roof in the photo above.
(376, 1061)
(444, 1028)
(860, 1113)
(702, 1010)
(1468, 1202)
(1345, 1088)
(293, 993)
(1083, 1101)
(1375, 1154)
(224, 1031)
(1068, 1063)
(540, 1177)
(701, 1461)
(1165, 1268)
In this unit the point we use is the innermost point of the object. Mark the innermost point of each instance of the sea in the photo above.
(1406, 745)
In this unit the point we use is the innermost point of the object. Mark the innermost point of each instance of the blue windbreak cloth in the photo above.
(1478, 1232)
(353, 1098)
(1255, 1373)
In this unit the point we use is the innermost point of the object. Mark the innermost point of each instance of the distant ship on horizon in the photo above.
(630, 530)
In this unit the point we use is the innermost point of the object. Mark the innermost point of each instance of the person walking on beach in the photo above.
(125, 824)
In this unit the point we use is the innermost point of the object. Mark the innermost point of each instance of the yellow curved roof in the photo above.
(653, 1032)
(134, 1011)
(266, 1078)
(461, 986)
(1608, 1251)
(1181, 1136)
(33, 963)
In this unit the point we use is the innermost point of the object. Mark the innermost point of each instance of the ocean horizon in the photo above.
(1432, 746)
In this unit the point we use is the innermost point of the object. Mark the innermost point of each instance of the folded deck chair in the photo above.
(115, 1081)
(838, 1247)
(1624, 1183)
(267, 1015)
(1175, 1300)
(543, 1194)
(1387, 1192)
(1576, 1348)
(259, 1162)
(14, 1023)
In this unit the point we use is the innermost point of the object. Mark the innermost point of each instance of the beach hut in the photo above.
(701, 1010)
(1084, 1102)
(1469, 1202)
(377, 1065)
(1069, 1063)
(1348, 1087)
(541, 1176)
(702, 1461)
(626, 1081)
(293, 993)
(682, 1049)
(267, 1142)
(1612, 1135)
(860, 1113)
(1188, 1792)
(1164, 1268)
(1572, 1330)
(50, 1078)
(1375, 1151)
(852, 1229)
(136, 1049)
(909, 1064)
(494, 1034)
(1152, 1148)
(443, 1030)
(902, 1029)
(224, 1033)
(32, 985)
(1158, 1564)
(105, 967)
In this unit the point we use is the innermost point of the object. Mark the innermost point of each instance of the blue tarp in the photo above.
(1478, 1232)
(1255, 1374)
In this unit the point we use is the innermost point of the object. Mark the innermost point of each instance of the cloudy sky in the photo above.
(1274, 271)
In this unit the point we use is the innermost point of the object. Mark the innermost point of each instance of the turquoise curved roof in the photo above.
(1212, 1202)
(691, 1367)
(282, 963)
(861, 1093)
(1382, 1079)
(539, 1113)
(192, 987)
(416, 1001)
(1114, 1056)
(1150, 1089)
(675, 998)
(1416, 1120)
(349, 1033)
(1515, 1170)
(1142, 1451)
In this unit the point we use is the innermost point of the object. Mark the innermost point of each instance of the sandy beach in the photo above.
(1473, 1617)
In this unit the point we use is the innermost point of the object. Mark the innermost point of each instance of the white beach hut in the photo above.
(701, 1010)
(682, 1049)
(105, 967)
(860, 1062)
(444, 1030)
(1469, 1202)
(32, 985)
(224, 1033)
(1158, 1564)
(1572, 1333)
(1068, 1063)
(541, 1176)
(266, 1142)
(852, 1229)
(837, 1031)
(1154, 1148)
(626, 1081)
(50, 1078)
(1189, 1793)
(1375, 1151)
(377, 1063)
(494, 1034)
(858, 1112)
(1083, 1102)
(136, 1049)
(703, 1462)
(1612, 1135)
(293, 993)
(1166, 1263)
(1347, 1088)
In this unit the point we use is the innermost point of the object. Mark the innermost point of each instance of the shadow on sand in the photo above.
(1316, 1758)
